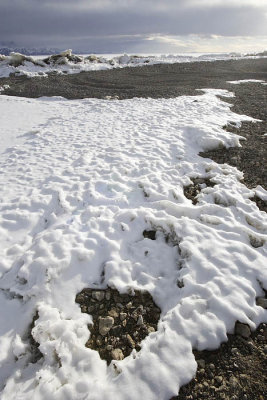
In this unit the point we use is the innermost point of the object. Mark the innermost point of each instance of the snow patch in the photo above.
(247, 81)
(76, 198)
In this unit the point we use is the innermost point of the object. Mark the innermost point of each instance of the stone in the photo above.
(108, 295)
(233, 381)
(90, 309)
(140, 320)
(265, 349)
(262, 302)
(242, 330)
(99, 296)
(116, 330)
(201, 363)
(130, 341)
(79, 298)
(123, 316)
(105, 324)
(243, 377)
(150, 329)
(129, 305)
(234, 350)
(113, 313)
(117, 354)
(218, 379)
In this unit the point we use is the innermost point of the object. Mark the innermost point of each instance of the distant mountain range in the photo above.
(29, 51)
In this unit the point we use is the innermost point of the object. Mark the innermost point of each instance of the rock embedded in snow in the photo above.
(105, 324)
(99, 296)
(242, 330)
(262, 302)
(117, 354)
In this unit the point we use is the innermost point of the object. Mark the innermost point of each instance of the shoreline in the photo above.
(153, 81)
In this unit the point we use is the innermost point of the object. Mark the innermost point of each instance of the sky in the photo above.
(136, 26)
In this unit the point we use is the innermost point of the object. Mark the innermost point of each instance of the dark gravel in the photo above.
(155, 81)
(250, 99)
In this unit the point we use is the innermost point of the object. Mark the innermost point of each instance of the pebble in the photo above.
(201, 363)
(233, 381)
(140, 320)
(265, 349)
(79, 298)
(105, 324)
(234, 350)
(108, 296)
(117, 354)
(123, 316)
(99, 296)
(219, 379)
(130, 341)
(113, 313)
(150, 329)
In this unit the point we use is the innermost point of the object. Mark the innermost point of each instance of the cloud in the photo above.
(89, 24)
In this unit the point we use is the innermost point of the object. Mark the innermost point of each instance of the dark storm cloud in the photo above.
(67, 22)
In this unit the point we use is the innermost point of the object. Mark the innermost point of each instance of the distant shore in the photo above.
(161, 80)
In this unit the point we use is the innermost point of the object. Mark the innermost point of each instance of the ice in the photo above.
(78, 188)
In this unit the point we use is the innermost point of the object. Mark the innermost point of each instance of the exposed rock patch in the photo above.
(120, 321)
(192, 191)
(36, 354)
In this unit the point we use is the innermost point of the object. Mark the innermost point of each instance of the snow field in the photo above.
(78, 190)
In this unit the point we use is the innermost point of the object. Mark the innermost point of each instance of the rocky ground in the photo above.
(162, 80)
(237, 370)
(250, 99)
(120, 321)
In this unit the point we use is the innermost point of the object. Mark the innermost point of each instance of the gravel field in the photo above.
(161, 80)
